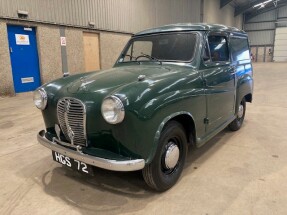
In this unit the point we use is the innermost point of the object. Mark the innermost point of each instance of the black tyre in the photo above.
(237, 123)
(165, 169)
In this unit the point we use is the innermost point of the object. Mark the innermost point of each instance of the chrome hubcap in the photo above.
(240, 111)
(171, 156)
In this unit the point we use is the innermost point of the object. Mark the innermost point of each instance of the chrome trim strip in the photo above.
(126, 165)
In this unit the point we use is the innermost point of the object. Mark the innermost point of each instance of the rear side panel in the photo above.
(240, 53)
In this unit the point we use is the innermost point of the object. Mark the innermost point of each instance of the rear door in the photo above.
(219, 80)
(240, 54)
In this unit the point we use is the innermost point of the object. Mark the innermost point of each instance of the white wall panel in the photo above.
(280, 46)
(282, 31)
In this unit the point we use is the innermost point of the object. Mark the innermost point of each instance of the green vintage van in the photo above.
(171, 87)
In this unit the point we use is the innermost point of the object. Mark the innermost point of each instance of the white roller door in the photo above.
(280, 46)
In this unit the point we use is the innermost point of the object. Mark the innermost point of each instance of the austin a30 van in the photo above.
(171, 87)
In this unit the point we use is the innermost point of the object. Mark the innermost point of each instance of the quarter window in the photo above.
(239, 49)
(218, 48)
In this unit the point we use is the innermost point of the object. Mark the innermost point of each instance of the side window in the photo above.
(218, 48)
(239, 49)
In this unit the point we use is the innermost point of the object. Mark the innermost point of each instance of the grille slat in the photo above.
(72, 117)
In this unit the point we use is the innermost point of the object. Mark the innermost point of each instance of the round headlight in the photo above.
(113, 110)
(40, 99)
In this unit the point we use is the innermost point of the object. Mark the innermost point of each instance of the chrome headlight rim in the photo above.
(121, 110)
(44, 99)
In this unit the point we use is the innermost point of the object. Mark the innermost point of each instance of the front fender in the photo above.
(160, 128)
(157, 112)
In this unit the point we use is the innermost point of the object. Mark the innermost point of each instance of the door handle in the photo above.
(11, 50)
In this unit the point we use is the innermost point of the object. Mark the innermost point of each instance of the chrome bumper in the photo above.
(126, 165)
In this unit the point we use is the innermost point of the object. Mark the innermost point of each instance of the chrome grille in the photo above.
(72, 118)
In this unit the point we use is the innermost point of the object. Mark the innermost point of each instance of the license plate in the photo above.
(72, 163)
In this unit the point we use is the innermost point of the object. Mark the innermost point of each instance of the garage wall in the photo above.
(225, 15)
(112, 20)
(115, 15)
(280, 46)
(261, 29)
(75, 50)
(6, 79)
(124, 16)
(49, 52)
(109, 55)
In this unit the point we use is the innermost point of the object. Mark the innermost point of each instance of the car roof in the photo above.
(190, 27)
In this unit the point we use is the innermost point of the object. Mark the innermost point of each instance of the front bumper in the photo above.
(126, 165)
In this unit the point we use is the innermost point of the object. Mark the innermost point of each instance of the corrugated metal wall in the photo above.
(282, 12)
(261, 38)
(259, 26)
(261, 29)
(271, 15)
(282, 17)
(115, 15)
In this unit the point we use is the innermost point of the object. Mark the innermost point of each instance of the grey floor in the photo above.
(235, 173)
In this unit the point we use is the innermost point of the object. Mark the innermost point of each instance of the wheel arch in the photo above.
(186, 120)
(248, 97)
(244, 90)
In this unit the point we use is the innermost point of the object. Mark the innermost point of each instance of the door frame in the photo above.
(9, 23)
(99, 39)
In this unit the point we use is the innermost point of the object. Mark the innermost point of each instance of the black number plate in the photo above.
(72, 163)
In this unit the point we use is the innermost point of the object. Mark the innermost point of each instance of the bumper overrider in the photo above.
(123, 165)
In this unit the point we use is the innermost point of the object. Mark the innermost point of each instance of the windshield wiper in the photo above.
(149, 57)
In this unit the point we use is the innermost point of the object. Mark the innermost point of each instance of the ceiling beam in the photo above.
(224, 3)
(244, 8)
(265, 10)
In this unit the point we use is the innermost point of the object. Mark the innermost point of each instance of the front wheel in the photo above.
(237, 123)
(165, 169)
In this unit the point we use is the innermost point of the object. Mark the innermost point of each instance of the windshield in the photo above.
(163, 47)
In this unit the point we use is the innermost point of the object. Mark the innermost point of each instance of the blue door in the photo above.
(24, 58)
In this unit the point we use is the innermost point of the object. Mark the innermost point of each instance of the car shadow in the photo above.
(111, 192)
(196, 156)
(106, 192)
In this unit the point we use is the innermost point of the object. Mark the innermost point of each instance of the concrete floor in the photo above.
(235, 173)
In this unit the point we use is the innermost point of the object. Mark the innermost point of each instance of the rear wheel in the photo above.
(165, 169)
(237, 123)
